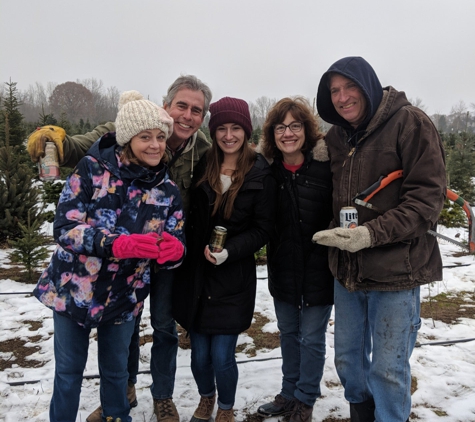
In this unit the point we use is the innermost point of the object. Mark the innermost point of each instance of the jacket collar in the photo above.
(391, 102)
(107, 152)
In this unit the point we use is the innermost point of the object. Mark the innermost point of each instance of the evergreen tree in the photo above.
(45, 119)
(10, 106)
(29, 249)
(460, 154)
(51, 193)
(65, 123)
(256, 135)
(460, 163)
(87, 126)
(18, 195)
(452, 215)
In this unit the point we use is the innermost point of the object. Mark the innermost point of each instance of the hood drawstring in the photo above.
(192, 163)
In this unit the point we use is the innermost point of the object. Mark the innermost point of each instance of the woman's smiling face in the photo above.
(230, 137)
(290, 142)
(149, 146)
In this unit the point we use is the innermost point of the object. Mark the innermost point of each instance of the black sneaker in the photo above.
(280, 406)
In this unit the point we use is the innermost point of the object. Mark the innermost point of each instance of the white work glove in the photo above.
(220, 256)
(351, 240)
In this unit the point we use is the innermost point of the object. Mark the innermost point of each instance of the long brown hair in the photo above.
(301, 111)
(215, 157)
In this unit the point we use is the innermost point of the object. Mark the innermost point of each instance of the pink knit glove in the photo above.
(136, 246)
(171, 249)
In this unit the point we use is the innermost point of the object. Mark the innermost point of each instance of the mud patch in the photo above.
(14, 352)
(449, 307)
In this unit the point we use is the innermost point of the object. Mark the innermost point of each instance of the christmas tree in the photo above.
(18, 195)
(29, 249)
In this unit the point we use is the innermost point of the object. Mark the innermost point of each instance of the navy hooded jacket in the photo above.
(359, 71)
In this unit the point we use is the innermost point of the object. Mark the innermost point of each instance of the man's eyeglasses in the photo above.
(294, 127)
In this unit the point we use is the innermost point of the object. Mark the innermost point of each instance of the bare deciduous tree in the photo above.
(105, 103)
(459, 117)
(35, 100)
(73, 99)
(259, 110)
(418, 103)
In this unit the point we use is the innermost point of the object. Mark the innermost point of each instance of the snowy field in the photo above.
(445, 374)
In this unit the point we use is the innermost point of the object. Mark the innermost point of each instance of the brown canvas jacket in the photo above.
(402, 255)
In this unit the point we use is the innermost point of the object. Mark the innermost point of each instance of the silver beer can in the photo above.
(348, 217)
(48, 165)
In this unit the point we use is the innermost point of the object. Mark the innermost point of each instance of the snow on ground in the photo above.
(445, 374)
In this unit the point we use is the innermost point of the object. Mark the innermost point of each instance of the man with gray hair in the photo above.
(187, 102)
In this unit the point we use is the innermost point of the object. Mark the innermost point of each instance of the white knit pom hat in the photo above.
(137, 114)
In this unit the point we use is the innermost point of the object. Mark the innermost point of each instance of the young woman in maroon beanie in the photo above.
(215, 292)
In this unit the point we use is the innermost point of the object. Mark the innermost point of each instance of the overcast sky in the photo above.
(242, 48)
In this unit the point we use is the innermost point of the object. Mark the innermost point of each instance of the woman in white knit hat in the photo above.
(118, 213)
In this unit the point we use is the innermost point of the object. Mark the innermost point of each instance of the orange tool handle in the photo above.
(381, 183)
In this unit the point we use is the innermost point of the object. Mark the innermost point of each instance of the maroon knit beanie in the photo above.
(230, 110)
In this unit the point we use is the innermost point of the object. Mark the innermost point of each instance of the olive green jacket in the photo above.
(181, 171)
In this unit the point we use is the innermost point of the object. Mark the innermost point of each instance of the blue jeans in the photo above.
(388, 321)
(71, 344)
(302, 341)
(165, 338)
(213, 358)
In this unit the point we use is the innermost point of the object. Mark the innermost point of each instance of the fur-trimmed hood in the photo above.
(319, 151)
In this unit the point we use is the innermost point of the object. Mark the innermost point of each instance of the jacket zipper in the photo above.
(348, 284)
(350, 154)
(293, 188)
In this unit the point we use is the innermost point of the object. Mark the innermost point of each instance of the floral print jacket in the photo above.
(102, 199)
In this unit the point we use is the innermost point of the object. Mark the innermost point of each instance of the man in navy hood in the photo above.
(380, 265)
(362, 74)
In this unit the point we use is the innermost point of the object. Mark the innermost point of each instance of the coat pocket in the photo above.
(230, 314)
(385, 263)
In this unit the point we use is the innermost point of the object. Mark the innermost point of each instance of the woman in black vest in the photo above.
(299, 277)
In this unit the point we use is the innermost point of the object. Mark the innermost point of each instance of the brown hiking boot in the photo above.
(224, 415)
(280, 406)
(204, 411)
(301, 413)
(131, 394)
(165, 410)
(96, 416)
